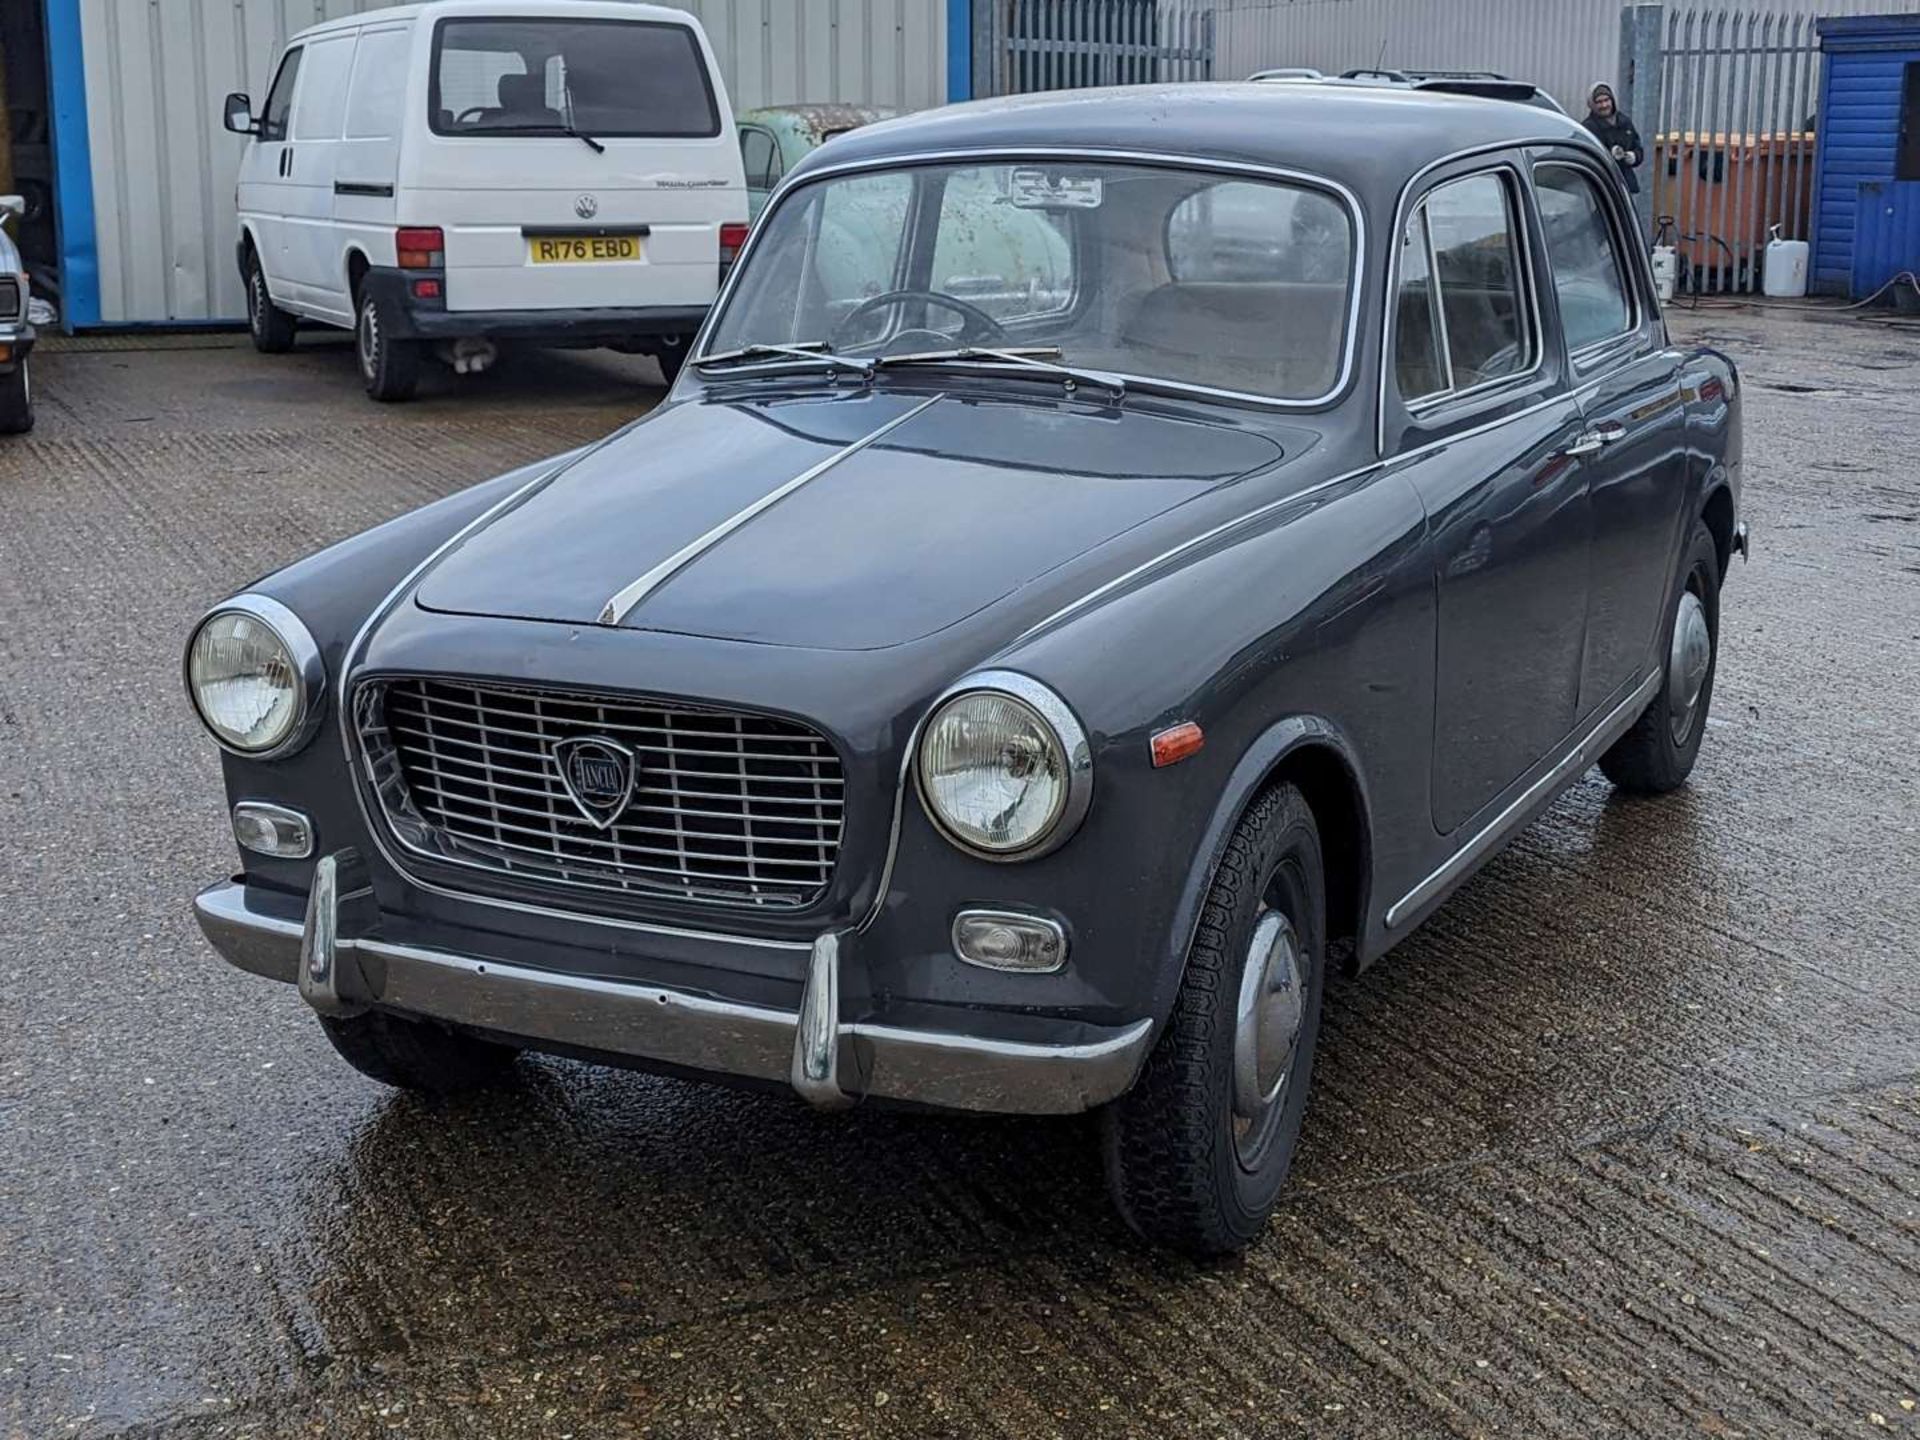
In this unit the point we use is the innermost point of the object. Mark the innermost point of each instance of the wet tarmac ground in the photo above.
(1626, 1141)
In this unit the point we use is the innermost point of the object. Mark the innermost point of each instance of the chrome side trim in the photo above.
(689, 1030)
(310, 670)
(624, 601)
(1356, 213)
(1501, 827)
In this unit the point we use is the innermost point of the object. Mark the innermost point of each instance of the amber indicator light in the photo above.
(1176, 743)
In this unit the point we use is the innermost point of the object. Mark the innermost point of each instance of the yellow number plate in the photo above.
(576, 249)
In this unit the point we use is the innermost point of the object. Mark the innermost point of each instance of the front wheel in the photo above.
(1197, 1151)
(417, 1055)
(389, 367)
(16, 401)
(271, 327)
(1657, 754)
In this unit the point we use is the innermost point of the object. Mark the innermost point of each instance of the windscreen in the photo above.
(545, 77)
(1163, 272)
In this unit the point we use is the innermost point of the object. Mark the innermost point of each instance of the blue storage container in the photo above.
(1866, 222)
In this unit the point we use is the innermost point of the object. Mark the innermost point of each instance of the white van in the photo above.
(464, 172)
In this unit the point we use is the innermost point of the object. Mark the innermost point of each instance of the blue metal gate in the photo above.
(1026, 45)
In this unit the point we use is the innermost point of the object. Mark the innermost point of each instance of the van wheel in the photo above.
(1657, 754)
(271, 327)
(16, 401)
(671, 352)
(389, 368)
(1197, 1151)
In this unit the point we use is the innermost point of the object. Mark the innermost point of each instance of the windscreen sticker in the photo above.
(1036, 190)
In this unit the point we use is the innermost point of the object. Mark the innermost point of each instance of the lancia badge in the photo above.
(598, 774)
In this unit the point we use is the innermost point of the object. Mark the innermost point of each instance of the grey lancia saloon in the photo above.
(1006, 677)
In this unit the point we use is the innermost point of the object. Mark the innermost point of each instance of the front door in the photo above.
(1629, 384)
(261, 192)
(1493, 440)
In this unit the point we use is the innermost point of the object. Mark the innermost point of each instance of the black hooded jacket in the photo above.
(1616, 130)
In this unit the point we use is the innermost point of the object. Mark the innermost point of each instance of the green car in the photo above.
(1010, 261)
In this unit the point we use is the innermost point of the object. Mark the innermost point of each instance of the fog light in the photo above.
(1001, 940)
(272, 830)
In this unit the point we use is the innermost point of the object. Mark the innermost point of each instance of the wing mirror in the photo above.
(239, 115)
(14, 205)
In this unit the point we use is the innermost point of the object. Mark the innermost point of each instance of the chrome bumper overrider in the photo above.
(829, 1061)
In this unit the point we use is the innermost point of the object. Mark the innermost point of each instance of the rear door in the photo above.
(581, 159)
(1629, 387)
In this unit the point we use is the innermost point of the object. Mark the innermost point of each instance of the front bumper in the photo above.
(826, 1058)
(415, 318)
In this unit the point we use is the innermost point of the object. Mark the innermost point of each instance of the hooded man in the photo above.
(1615, 131)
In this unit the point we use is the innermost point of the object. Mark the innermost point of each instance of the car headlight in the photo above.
(255, 677)
(1004, 767)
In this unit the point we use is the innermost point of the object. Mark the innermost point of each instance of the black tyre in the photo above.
(671, 352)
(271, 327)
(1657, 754)
(1197, 1151)
(417, 1055)
(16, 401)
(389, 367)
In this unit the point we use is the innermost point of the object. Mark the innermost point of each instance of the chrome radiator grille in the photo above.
(725, 806)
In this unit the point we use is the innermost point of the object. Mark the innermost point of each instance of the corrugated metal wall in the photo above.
(163, 168)
(1563, 46)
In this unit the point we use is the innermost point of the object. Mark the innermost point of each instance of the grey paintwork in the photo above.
(1421, 615)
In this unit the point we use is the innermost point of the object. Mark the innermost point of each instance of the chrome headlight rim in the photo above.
(1068, 732)
(309, 671)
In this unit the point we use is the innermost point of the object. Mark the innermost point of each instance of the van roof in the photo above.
(502, 9)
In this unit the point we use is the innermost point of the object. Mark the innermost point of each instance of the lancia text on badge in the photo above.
(598, 774)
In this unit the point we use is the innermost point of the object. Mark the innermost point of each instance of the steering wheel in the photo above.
(979, 325)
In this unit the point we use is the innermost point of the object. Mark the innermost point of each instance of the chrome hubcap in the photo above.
(1267, 1025)
(368, 339)
(1687, 665)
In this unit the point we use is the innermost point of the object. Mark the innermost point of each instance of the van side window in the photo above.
(321, 106)
(1460, 302)
(379, 89)
(1586, 261)
(273, 121)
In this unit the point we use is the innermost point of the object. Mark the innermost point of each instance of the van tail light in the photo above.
(732, 237)
(421, 247)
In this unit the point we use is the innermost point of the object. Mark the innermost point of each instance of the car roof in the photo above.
(497, 9)
(817, 120)
(1368, 138)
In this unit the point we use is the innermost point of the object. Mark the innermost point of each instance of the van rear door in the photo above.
(580, 159)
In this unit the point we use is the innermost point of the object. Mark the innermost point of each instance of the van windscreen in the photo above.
(555, 76)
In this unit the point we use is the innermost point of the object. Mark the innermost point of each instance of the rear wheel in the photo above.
(671, 352)
(417, 1055)
(271, 327)
(389, 367)
(16, 401)
(1197, 1151)
(1657, 754)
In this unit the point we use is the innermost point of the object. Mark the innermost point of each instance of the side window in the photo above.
(761, 159)
(1587, 275)
(379, 87)
(320, 109)
(273, 120)
(1460, 317)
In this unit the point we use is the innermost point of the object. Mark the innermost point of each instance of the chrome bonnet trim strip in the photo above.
(1497, 830)
(625, 600)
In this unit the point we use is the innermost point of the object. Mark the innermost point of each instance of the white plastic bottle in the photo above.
(1785, 275)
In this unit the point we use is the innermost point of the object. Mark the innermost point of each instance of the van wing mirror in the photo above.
(15, 205)
(239, 115)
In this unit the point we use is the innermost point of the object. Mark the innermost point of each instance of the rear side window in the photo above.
(379, 85)
(760, 157)
(1587, 275)
(273, 119)
(1460, 316)
(548, 76)
(321, 106)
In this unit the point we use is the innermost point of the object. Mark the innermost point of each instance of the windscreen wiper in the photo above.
(814, 351)
(566, 99)
(1036, 357)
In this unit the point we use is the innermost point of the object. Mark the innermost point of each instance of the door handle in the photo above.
(1611, 432)
(1589, 442)
(286, 161)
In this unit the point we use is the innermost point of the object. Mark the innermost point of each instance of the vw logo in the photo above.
(585, 206)
(598, 774)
